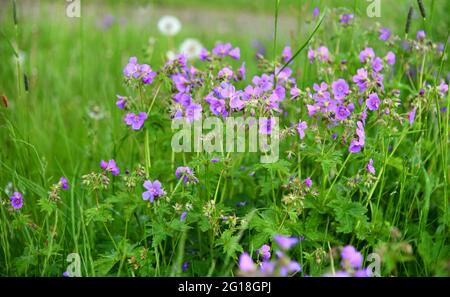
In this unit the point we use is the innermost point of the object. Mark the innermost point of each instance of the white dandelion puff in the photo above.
(169, 25)
(191, 48)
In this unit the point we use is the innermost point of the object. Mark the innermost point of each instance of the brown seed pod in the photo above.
(421, 8)
(408, 20)
(5, 101)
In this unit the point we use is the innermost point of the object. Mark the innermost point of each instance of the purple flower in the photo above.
(351, 258)
(215, 160)
(235, 53)
(265, 126)
(287, 54)
(364, 272)
(154, 190)
(357, 144)
(361, 79)
(264, 252)
(340, 89)
(204, 54)
(377, 64)
(64, 183)
(132, 68)
(342, 113)
(315, 11)
(385, 34)
(66, 274)
(390, 58)
(121, 102)
(183, 216)
(147, 74)
(221, 49)
(136, 121)
(311, 55)
(241, 72)
(110, 166)
(420, 35)
(301, 127)
(443, 88)
(369, 167)
(16, 200)
(366, 55)
(267, 268)
(246, 263)
(346, 18)
(295, 92)
(285, 242)
(323, 54)
(373, 102)
(225, 73)
(411, 116)
(308, 182)
(187, 174)
(193, 112)
(185, 266)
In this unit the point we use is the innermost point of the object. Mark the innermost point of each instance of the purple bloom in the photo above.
(185, 266)
(286, 54)
(366, 55)
(16, 200)
(267, 268)
(361, 79)
(264, 252)
(215, 160)
(235, 53)
(204, 54)
(265, 126)
(183, 216)
(316, 11)
(346, 18)
(66, 274)
(443, 88)
(369, 167)
(110, 166)
(154, 190)
(295, 92)
(365, 272)
(147, 74)
(311, 55)
(373, 102)
(351, 258)
(241, 72)
(308, 182)
(340, 89)
(225, 73)
(136, 121)
(246, 263)
(301, 127)
(187, 174)
(193, 112)
(377, 64)
(385, 34)
(411, 116)
(64, 183)
(420, 35)
(121, 102)
(132, 68)
(390, 58)
(357, 144)
(323, 54)
(285, 242)
(221, 49)
(342, 113)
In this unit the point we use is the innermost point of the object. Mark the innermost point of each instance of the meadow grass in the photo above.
(64, 120)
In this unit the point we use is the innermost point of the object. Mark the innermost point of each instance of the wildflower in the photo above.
(193, 112)
(366, 55)
(110, 166)
(316, 11)
(187, 174)
(323, 54)
(183, 216)
(64, 183)
(385, 34)
(373, 102)
(264, 252)
(222, 49)
(369, 167)
(377, 64)
(342, 113)
(146, 74)
(411, 116)
(241, 72)
(185, 266)
(351, 258)
(132, 68)
(246, 263)
(266, 125)
(169, 25)
(346, 18)
(225, 73)
(235, 53)
(301, 127)
(121, 102)
(287, 54)
(154, 190)
(420, 35)
(191, 48)
(308, 182)
(365, 272)
(16, 200)
(443, 88)
(340, 89)
(136, 121)
(66, 274)
(361, 79)
(295, 92)
(390, 58)
(357, 144)
(291, 268)
(285, 242)
(311, 55)
(215, 160)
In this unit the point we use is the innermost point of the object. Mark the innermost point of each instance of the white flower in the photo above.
(191, 48)
(171, 55)
(169, 25)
